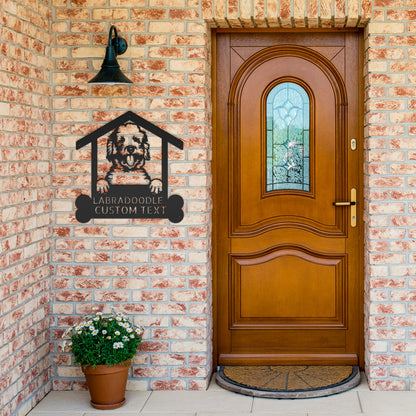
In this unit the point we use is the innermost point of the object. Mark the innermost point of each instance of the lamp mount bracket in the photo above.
(119, 44)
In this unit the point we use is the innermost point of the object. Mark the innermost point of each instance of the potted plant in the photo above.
(104, 346)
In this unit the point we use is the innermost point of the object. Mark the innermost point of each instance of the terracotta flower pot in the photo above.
(107, 384)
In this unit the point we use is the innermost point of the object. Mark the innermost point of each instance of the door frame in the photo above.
(215, 174)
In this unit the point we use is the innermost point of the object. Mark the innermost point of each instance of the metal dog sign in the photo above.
(129, 172)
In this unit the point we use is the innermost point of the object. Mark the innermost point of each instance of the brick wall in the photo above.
(25, 185)
(390, 195)
(156, 271)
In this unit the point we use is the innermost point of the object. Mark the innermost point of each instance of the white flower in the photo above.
(139, 331)
(91, 328)
(95, 332)
(117, 333)
(96, 319)
(67, 333)
(125, 338)
(132, 336)
(118, 318)
(117, 345)
(95, 309)
(79, 332)
(129, 330)
(66, 344)
(104, 331)
(99, 313)
(109, 337)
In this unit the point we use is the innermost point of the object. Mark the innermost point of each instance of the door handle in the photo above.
(352, 204)
(343, 204)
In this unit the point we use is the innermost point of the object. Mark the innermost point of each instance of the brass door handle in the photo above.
(343, 204)
(352, 204)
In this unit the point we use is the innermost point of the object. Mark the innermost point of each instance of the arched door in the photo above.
(288, 199)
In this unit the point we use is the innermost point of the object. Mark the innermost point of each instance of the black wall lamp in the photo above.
(110, 72)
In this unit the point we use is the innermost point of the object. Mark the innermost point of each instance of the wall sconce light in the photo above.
(110, 72)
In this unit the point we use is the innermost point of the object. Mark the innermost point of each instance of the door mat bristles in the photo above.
(288, 382)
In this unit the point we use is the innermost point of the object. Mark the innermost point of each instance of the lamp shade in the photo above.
(110, 72)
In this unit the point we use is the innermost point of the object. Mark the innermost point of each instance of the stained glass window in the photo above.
(288, 114)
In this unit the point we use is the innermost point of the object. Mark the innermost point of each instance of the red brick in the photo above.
(188, 296)
(401, 14)
(403, 221)
(148, 39)
(154, 346)
(150, 372)
(189, 372)
(150, 296)
(166, 257)
(168, 308)
(132, 308)
(402, 91)
(409, 346)
(379, 334)
(168, 359)
(378, 372)
(167, 232)
(387, 308)
(168, 283)
(110, 271)
(148, 14)
(91, 283)
(73, 296)
(385, 54)
(387, 359)
(163, 333)
(403, 321)
(168, 385)
(150, 270)
(150, 245)
(147, 65)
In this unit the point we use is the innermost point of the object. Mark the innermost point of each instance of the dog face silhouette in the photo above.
(128, 147)
(128, 150)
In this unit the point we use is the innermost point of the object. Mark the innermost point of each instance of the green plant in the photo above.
(101, 339)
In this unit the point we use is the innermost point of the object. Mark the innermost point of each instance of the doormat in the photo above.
(288, 381)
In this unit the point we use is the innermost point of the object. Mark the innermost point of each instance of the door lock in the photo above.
(352, 204)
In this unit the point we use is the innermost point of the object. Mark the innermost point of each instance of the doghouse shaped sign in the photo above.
(129, 172)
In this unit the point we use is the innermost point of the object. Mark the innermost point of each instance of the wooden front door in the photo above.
(288, 201)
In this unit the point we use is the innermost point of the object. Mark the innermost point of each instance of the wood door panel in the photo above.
(288, 342)
(251, 206)
(280, 288)
(262, 40)
(263, 242)
(288, 359)
(288, 264)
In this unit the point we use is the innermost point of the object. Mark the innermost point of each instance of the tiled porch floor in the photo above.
(218, 402)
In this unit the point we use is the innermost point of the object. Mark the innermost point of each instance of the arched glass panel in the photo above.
(288, 114)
